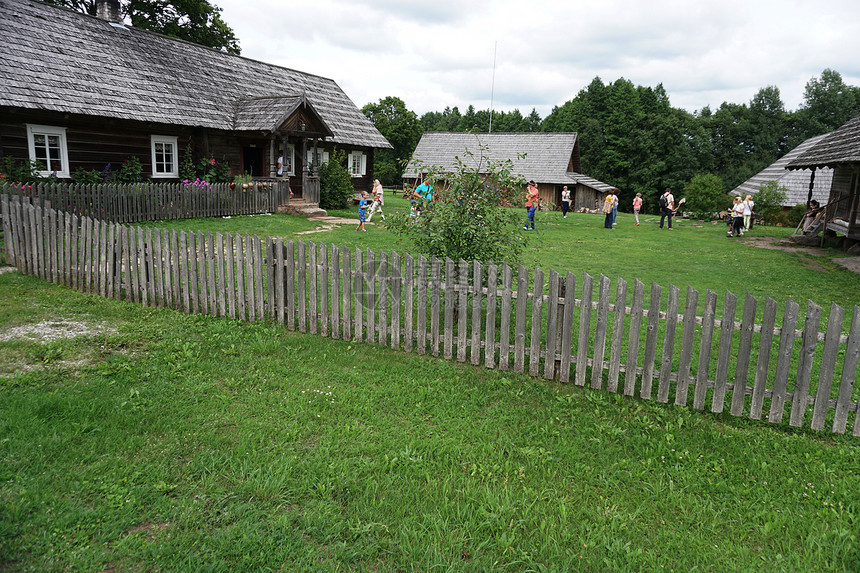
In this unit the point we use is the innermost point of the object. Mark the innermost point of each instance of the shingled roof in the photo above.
(838, 148)
(795, 183)
(544, 157)
(60, 60)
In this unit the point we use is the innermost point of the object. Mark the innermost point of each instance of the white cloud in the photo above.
(440, 53)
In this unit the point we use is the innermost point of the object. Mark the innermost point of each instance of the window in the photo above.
(48, 149)
(322, 156)
(165, 159)
(357, 164)
(289, 160)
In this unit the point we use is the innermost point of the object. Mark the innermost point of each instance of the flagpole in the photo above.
(493, 85)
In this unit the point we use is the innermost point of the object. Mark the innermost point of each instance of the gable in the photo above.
(59, 60)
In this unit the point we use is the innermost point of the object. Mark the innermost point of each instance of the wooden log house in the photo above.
(550, 159)
(839, 151)
(82, 92)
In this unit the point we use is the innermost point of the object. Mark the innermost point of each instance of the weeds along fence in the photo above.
(133, 203)
(505, 318)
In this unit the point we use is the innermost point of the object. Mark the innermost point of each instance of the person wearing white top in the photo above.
(565, 201)
(748, 210)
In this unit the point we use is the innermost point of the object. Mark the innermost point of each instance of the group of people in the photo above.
(742, 210)
(366, 213)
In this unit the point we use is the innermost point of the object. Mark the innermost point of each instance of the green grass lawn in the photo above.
(155, 440)
(694, 253)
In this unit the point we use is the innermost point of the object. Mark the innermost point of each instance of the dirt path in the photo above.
(328, 224)
(807, 254)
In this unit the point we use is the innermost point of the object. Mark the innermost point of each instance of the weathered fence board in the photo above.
(383, 298)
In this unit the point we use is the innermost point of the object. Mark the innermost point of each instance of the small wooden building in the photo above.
(797, 183)
(81, 91)
(840, 151)
(550, 159)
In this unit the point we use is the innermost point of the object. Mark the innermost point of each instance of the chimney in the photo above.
(108, 10)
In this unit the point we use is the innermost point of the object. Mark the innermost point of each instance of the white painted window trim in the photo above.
(290, 160)
(169, 140)
(47, 130)
(362, 164)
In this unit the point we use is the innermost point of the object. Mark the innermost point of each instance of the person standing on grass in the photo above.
(378, 201)
(748, 210)
(609, 204)
(667, 207)
(637, 205)
(565, 201)
(737, 218)
(532, 201)
(362, 206)
(615, 206)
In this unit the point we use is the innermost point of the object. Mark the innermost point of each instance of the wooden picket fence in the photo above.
(504, 318)
(133, 203)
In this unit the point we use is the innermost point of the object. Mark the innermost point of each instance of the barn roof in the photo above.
(795, 183)
(60, 60)
(835, 149)
(544, 157)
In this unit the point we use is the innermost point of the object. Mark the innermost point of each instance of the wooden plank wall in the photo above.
(505, 318)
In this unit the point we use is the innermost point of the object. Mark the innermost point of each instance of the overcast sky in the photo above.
(433, 54)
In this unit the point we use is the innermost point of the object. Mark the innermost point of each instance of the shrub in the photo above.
(186, 168)
(335, 182)
(14, 171)
(82, 176)
(705, 196)
(470, 218)
(796, 214)
(131, 171)
(768, 203)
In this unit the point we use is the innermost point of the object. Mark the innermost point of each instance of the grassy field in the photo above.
(145, 439)
(693, 254)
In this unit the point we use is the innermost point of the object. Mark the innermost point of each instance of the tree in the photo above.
(828, 103)
(196, 21)
(401, 128)
(470, 218)
(705, 196)
(335, 182)
(768, 202)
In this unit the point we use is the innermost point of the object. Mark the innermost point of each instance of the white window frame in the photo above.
(357, 164)
(290, 160)
(49, 131)
(156, 140)
(321, 158)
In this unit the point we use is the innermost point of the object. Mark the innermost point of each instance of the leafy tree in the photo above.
(768, 202)
(828, 104)
(335, 182)
(196, 21)
(470, 218)
(401, 128)
(705, 196)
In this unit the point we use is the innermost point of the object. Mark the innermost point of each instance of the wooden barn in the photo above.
(550, 159)
(81, 92)
(839, 151)
(797, 183)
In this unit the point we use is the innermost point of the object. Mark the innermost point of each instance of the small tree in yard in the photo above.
(335, 182)
(470, 218)
(768, 202)
(705, 196)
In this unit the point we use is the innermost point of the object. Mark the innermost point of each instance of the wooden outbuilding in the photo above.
(797, 183)
(81, 92)
(550, 159)
(839, 151)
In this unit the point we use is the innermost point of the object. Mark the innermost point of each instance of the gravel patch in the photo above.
(50, 330)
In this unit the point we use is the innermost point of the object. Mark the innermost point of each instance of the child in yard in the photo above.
(362, 209)
(378, 201)
(637, 204)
